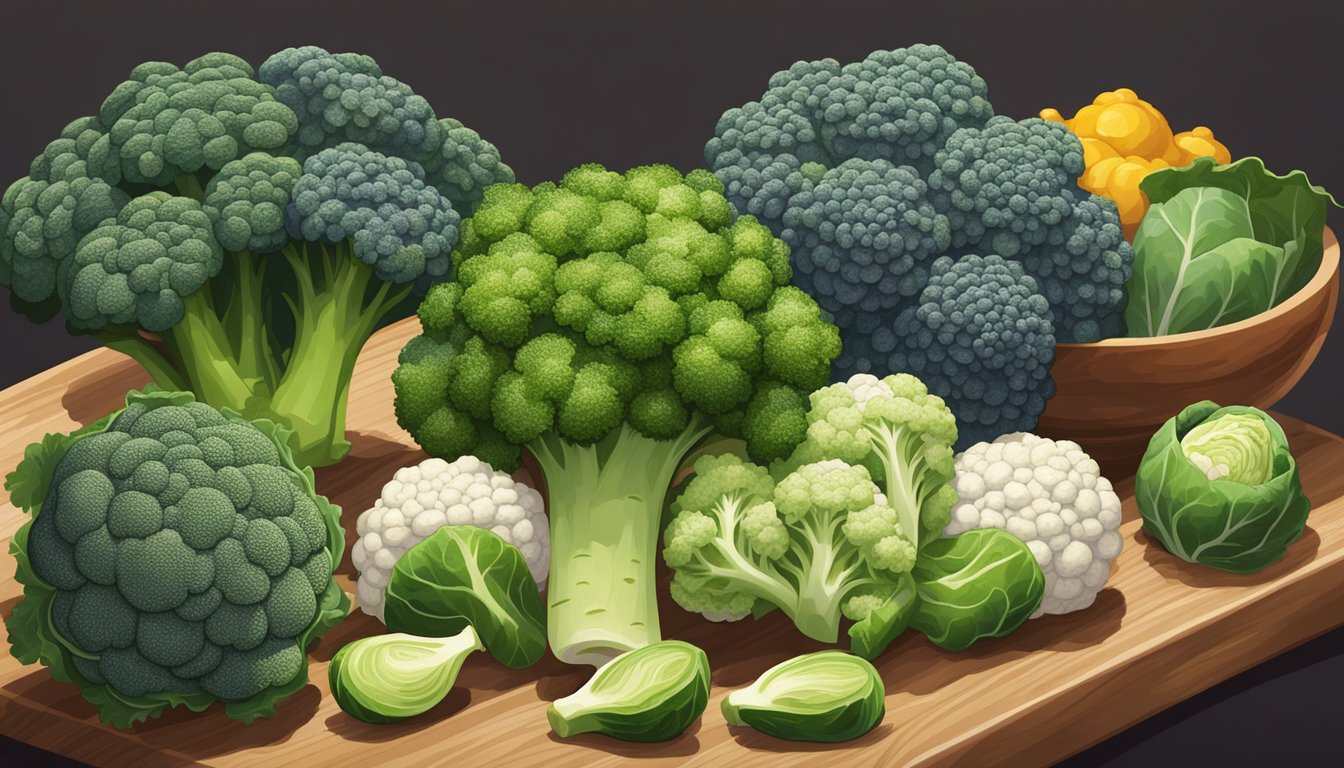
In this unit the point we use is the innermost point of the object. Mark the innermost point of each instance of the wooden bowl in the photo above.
(1112, 395)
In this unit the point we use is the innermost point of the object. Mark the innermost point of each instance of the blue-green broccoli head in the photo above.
(184, 557)
(345, 97)
(1008, 186)
(398, 223)
(863, 236)
(166, 122)
(1083, 270)
(464, 165)
(68, 191)
(982, 338)
(139, 267)
(900, 106)
(246, 202)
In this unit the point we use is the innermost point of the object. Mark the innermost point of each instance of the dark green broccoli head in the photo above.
(183, 557)
(68, 191)
(464, 165)
(399, 224)
(899, 106)
(138, 267)
(981, 338)
(164, 122)
(345, 97)
(863, 236)
(246, 202)
(607, 299)
(1006, 187)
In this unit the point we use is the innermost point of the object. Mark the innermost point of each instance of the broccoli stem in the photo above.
(143, 351)
(339, 303)
(245, 323)
(206, 358)
(901, 463)
(606, 503)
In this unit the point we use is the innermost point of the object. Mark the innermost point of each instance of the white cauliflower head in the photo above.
(421, 499)
(1052, 496)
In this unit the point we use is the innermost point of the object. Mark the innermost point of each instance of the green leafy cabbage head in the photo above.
(1218, 486)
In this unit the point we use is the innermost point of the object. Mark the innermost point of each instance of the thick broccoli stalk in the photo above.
(821, 541)
(606, 325)
(984, 339)
(176, 556)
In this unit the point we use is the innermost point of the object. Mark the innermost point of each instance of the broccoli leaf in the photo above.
(463, 575)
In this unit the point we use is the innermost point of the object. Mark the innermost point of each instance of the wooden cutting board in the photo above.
(1160, 632)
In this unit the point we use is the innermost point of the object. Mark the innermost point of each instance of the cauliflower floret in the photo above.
(421, 499)
(1052, 496)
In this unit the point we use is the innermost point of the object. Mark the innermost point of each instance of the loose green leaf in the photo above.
(463, 575)
(1192, 502)
(652, 693)
(388, 678)
(980, 583)
(827, 696)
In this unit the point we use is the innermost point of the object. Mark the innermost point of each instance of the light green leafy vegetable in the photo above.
(388, 678)
(1221, 244)
(1218, 486)
(826, 696)
(981, 583)
(653, 693)
(463, 575)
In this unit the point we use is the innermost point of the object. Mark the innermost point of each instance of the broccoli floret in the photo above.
(983, 339)
(160, 584)
(606, 323)
(820, 540)
(309, 240)
(345, 97)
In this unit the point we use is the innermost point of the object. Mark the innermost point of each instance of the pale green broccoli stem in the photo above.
(606, 503)
(901, 494)
(817, 614)
(746, 575)
(188, 185)
(245, 323)
(205, 355)
(334, 315)
(143, 351)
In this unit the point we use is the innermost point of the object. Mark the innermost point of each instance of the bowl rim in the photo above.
(1320, 281)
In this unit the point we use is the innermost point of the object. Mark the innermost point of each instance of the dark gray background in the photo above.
(623, 83)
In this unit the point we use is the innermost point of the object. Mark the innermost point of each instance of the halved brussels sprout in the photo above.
(826, 696)
(387, 678)
(652, 693)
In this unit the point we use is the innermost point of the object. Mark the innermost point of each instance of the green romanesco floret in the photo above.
(176, 556)
(606, 324)
(311, 240)
(820, 541)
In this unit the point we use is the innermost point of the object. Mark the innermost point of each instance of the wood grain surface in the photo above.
(1160, 632)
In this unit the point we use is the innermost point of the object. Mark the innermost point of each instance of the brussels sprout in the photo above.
(652, 693)
(1219, 487)
(387, 678)
(463, 575)
(981, 583)
(824, 696)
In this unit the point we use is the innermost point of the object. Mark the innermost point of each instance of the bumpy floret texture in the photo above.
(1052, 496)
(137, 267)
(423, 498)
(400, 225)
(68, 191)
(246, 202)
(899, 106)
(186, 554)
(981, 338)
(607, 299)
(345, 97)
(464, 165)
(862, 235)
(1084, 274)
(164, 122)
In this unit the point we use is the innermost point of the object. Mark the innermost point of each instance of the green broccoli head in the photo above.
(246, 202)
(820, 541)
(345, 97)
(464, 165)
(137, 268)
(165, 122)
(612, 299)
(69, 190)
(182, 558)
